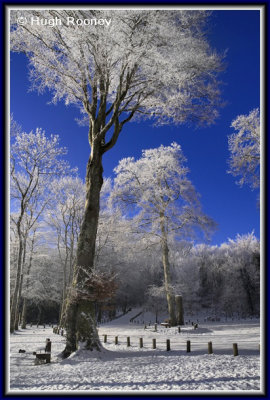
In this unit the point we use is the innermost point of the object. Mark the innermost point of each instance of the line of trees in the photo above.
(35, 161)
(218, 280)
(150, 216)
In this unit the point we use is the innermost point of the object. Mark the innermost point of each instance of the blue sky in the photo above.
(233, 208)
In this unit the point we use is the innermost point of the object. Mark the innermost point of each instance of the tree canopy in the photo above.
(151, 64)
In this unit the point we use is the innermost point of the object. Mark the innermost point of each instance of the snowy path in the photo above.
(122, 368)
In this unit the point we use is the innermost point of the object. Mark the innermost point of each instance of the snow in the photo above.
(131, 369)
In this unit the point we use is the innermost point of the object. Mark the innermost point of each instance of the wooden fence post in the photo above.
(210, 348)
(154, 344)
(235, 349)
(188, 346)
(141, 342)
(128, 341)
(116, 340)
(168, 345)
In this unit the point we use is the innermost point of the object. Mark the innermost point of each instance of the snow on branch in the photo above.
(244, 147)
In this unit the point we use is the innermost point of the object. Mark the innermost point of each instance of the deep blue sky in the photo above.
(232, 207)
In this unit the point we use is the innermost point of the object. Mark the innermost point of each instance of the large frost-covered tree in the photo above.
(244, 147)
(146, 63)
(156, 188)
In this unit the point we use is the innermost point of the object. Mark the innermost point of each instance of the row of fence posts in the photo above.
(168, 344)
(60, 331)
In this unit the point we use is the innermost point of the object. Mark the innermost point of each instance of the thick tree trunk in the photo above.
(80, 314)
(167, 274)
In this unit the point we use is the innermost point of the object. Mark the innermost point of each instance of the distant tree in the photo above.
(32, 243)
(35, 160)
(44, 281)
(65, 217)
(244, 257)
(155, 300)
(244, 146)
(157, 190)
(152, 64)
(222, 279)
(120, 251)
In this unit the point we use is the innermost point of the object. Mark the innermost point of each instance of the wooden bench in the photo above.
(46, 356)
(166, 324)
(41, 357)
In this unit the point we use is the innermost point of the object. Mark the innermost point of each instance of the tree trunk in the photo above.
(248, 288)
(25, 301)
(14, 303)
(179, 310)
(80, 321)
(62, 314)
(167, 274)
(24, 313)
(40, 315)
(17, 320)
(21, 284)
(64, 295)
(99, 313)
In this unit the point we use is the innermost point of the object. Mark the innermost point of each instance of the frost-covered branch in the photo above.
(244, 147)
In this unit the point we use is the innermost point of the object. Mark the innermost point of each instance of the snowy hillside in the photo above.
(122, 368)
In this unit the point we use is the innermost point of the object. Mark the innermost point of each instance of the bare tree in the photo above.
(150, 64)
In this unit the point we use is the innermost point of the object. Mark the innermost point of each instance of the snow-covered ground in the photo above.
(130, 369)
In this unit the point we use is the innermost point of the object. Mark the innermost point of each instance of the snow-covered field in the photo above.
(131, 369)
